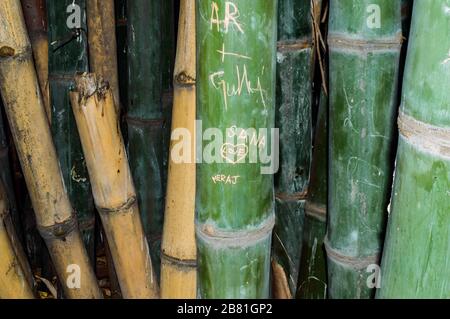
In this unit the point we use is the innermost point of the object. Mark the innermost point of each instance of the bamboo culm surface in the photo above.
(68, 55)
(145, 117)
(364, 41)
(235, 200)
(35, 13)
(112, 185)
(178, 256)
(416, 253)
(103, 44)
(312, 281)
(29, 126)
(13, 279)
(295, 69)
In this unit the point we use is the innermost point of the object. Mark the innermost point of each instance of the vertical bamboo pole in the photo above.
(145, 117)
(68, 55)
(236, 45)
(120, 8)
(55, 218)
(416, 254)
(35, 14)
(112, 185)
(102, 43)
(295, 71)
(178, 268)
(312, 281)
(13, 280)
(364, 41)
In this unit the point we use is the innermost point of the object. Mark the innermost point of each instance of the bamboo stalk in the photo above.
(234, 199)
(312, 282)
(13, 280)
(68, 55)
(102, 43)
(178, 268)
(145, 117)
(364, 41)
(295, 72)
(35, 15)
(112, 185)
(29, 126)
(417, 249)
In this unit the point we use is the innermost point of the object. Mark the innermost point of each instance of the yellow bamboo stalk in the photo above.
(24, 108)
(112, 185)
(34, 12)
(102, 43)
(178, 257)
(13, 279)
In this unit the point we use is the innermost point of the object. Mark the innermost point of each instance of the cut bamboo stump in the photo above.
(13, 279)
(235, 197)
(178, 258)
(103, 44)
(112, 185)
(29, 125)
(416, 253)
(35, 13)
(69, 54)
(364, 42)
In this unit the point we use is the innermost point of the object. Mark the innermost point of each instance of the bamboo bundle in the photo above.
(35, 14)
(13, 279)
(178, 268)
(313, 275)
(145, 117)
(234, 200)
(112, 185)
(364, 40)
(417, 249)
(68, 55)
(56, 221)
(295, 71)
(102, 43)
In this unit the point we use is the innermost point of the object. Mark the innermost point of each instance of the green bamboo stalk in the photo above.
(234, 202)
(122, 61)
(145, 117)
(68, 55)
(295, 71)
(416, 256)
(312, 282)
(364, 40)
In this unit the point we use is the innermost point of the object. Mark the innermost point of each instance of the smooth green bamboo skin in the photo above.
(363, 93)
(312, 282)
(416, 256)
(145, 117)
(235, 221)
(68, 55)
(293, 118)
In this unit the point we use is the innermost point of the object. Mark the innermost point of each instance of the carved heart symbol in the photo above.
(234, 153)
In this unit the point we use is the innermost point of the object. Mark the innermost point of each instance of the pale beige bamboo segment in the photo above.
(13, 280)
(112, 185)
(40, 53)
(102, 43)
(179, 256)
(29, 126)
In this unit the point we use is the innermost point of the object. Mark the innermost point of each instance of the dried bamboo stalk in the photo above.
(13, 279)
(112, 185)
(179, 256)
(36, 21)
(102, 43)
(24, 107)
